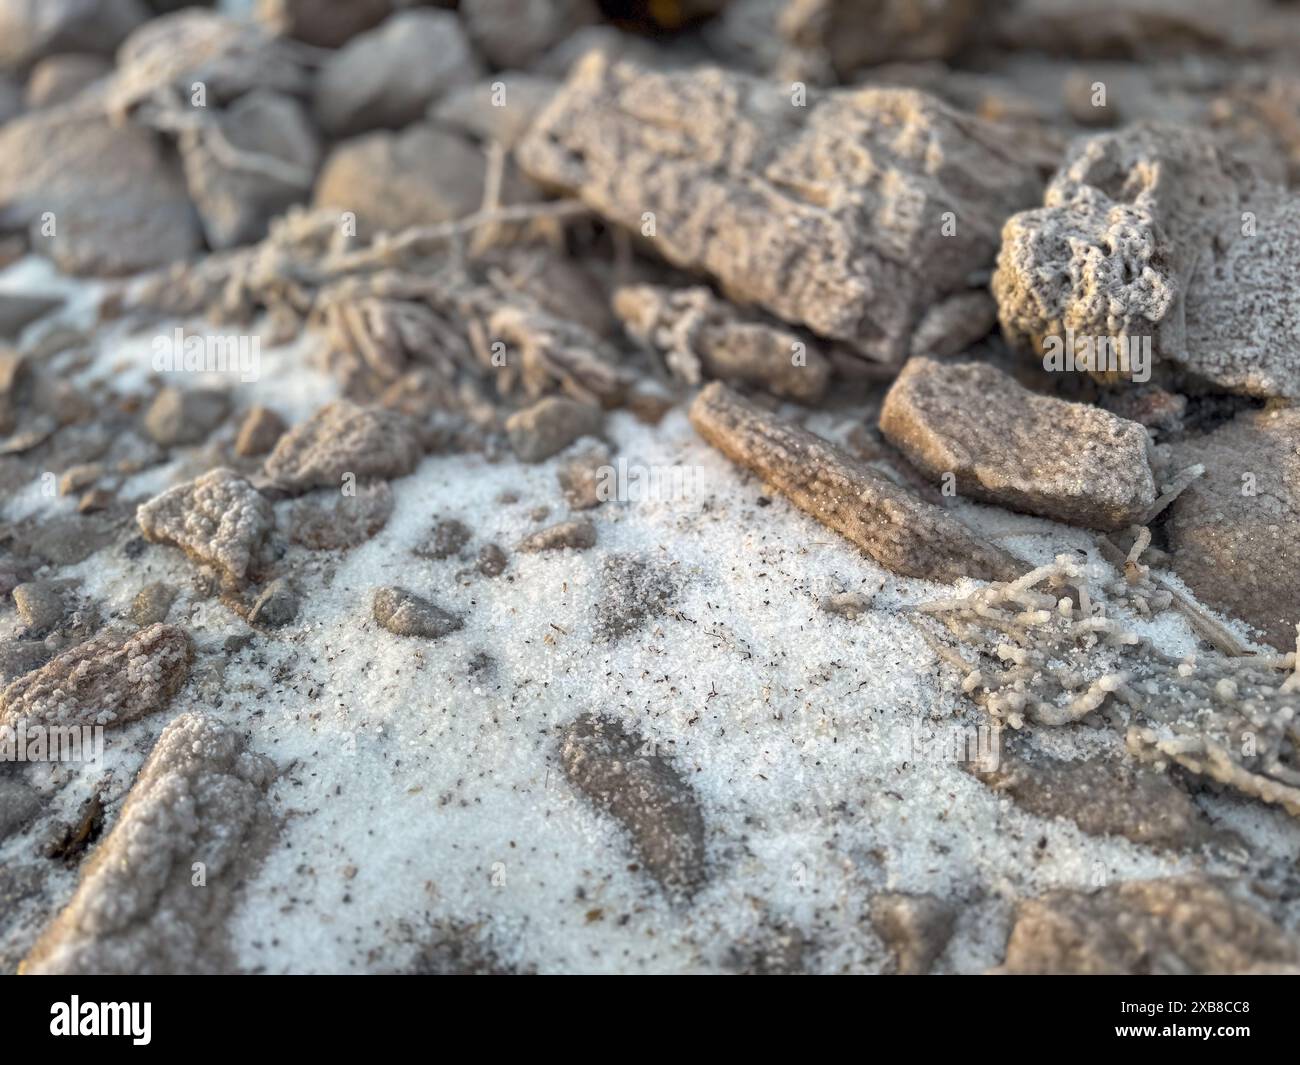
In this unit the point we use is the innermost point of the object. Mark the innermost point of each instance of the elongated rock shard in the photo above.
(1006, 445)
(618, 772)
(901, 532)
(197, 811)
(850, 215)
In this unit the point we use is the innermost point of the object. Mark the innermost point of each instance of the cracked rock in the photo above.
(1006, 445)
(623, 775)
(218, 520)
(1177, 927)
(813, 213)
(200, 798)
(109, 680)
(341, 439)
(404, 613)
(899, 530)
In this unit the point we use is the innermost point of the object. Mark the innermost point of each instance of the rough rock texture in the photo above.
(235, 198)
(31, 29)
(578, 535)
(385, 78)
(152, 603)
(340, 439)
(109, 680)
(897, 529)
(197, 809)
(514, 33)
(1007, 445)
(324, 23)
(623, 775)
(393, 180)
(916, 928)
(98, 199)
(335, 522)
(218, 520)
(1179, 926)
(1154, 233)
(701, 336)
(1234, 534)
(550, 425)
(1103, 796)
(404, 613)
(185, 415)
(816, 213)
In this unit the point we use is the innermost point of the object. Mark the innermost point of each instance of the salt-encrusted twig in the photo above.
(898, 530)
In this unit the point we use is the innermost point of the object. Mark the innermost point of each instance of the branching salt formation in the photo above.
(899, 530)
(699, 334)
(1046, 652)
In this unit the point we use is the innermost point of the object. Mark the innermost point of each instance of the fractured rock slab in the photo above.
(219, 520)
(900, 531)
(340, 439)
(620, 773)
(1007, 445)
(200, 797)
(1177, 926)
(109, 680)
(821, 214)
